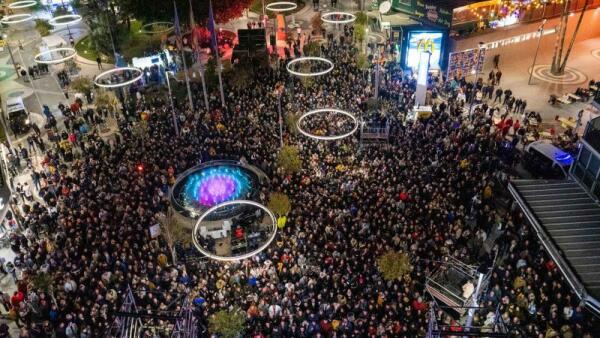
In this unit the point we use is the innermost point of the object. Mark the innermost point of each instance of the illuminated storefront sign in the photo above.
(419, 42)
(518, 38)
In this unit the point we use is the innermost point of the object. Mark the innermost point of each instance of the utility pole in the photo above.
(476, 74)
(280, 89)
(12, 58)
(175, 124)
(541, 30)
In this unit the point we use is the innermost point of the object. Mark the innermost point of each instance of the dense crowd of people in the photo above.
(431, 193)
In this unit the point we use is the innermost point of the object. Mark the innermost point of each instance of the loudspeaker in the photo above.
(252, 39)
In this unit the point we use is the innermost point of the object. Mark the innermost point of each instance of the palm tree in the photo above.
(558, 61)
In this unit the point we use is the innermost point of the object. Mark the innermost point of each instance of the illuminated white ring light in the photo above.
(239, 257)
(309, 58)
(326, 138)
(38, 59)
(75, 18)
(121, 84)
(22, 4)
(275, 6)
(12, 19)
(325, 17)
(144, 28)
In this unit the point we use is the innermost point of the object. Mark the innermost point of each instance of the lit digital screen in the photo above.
(419, 42)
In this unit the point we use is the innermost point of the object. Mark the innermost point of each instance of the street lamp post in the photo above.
(476, 74)
(280, 117)
(541, 30)
(175, 126)
(12, 58)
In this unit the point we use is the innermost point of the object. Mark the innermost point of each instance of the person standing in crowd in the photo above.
(431, 191)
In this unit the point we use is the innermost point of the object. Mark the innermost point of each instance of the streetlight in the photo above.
(12, 58)
(476, 72)
(167, 73)
(279, 92)
(541, 30)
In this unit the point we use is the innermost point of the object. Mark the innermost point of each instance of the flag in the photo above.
(193, 31)
(192, 20)
(177, 28)
(211, 29)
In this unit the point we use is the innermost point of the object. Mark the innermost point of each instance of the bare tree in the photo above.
(559, 62)
(564, 63)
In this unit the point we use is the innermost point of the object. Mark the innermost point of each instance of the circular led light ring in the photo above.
(38, 59)
(327, 138)
(325, 17)
(8, 18)
(22, 4)
(144, 28)
(273, 6)
(239, 257)
(309, 58)
(75, 19)
(116, 85)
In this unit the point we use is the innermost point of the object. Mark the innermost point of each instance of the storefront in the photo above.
(427, 31)
(493, 14)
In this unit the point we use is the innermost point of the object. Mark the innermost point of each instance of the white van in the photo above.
(17, 116)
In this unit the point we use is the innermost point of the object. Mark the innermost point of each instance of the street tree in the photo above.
(105, 99)
(312, 48)
(289, 159)
(227, 323)
(559, 60)
(156, 10)
(394, 265)
(279, 203)
(82, 84)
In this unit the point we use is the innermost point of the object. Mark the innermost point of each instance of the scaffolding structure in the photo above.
(176, 321)
(460, 287)
(448, 284)
(493, 327)
(374, 134)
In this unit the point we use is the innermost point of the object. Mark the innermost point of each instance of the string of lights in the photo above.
(499, 9)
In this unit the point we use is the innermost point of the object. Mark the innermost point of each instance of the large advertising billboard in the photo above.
(419, 42)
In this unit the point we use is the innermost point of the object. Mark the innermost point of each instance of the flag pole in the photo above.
(203, 82)
(216, 48)
(180, 46)
(198, 56)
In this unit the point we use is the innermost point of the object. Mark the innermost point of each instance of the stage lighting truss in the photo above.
(309, 58)
(146, 29)
(326, 138)
(120, 84)
(38, 57)
(238, 257)
(22, 4)
(72, 19)
(281, 6)
(330, 17)
(16, 18)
